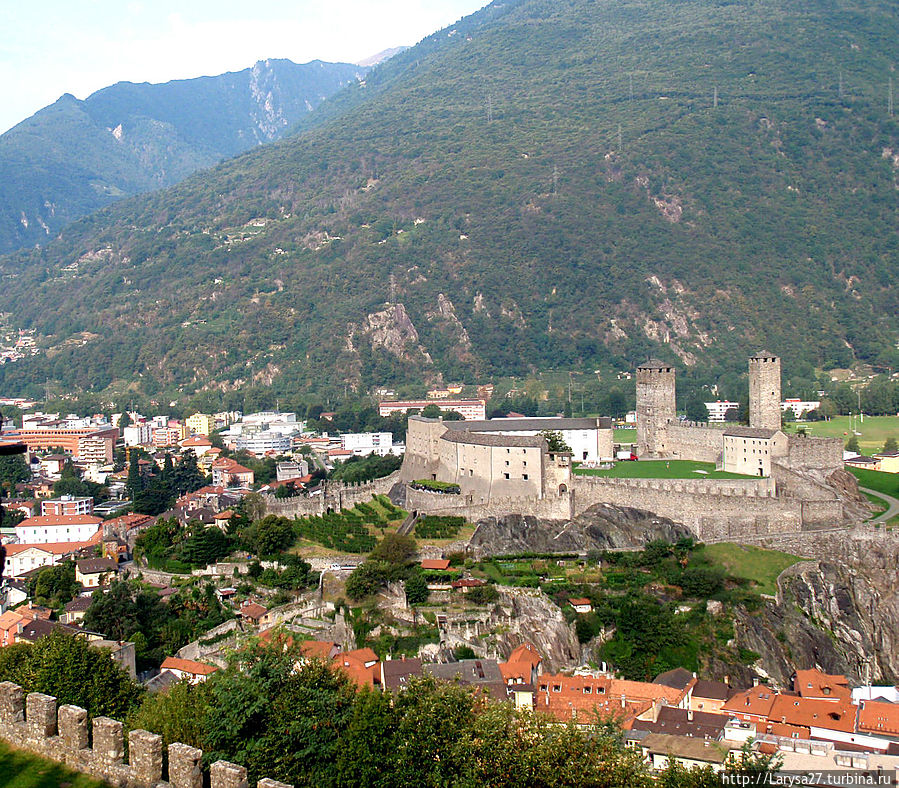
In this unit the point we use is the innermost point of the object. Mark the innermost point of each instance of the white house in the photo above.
(364, 443)
(57, 528)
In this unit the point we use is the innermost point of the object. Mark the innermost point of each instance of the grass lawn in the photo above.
(19, 769)
(662, 469)
(874, 430)
(877, 480)
(760, 566)
(625, 436)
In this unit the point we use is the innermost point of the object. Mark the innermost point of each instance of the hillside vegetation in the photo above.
(76, 156)
(548, 184)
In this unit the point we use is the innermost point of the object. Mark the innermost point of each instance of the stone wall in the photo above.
(334, 497)
(823, 454)
(551, 507)
(33, 723)
(692, 442)
(712, 509)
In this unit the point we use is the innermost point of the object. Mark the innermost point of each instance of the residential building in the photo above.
(47, 435)
(194, 672)
(266, 442)
(580, 604)
(230, 473)
(364, 443)
(799, 407)
(67, 505)
(719, 408)
(140, 434)
(95, 572)
(469, 409)
(889, 461)
(200, 424)
(57, 528)
(198, 444)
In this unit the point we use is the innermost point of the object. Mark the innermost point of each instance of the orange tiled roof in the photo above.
(317, 649)
(755, 702)
(56, 548)
(527, 654)
(811, 713)
(815, 684)
(783, 729)
(435, 563)
(60, 519)
(878, 717)
(252, 610)
(187, 666)
(9, 619)
(646, 690)
(585, 698)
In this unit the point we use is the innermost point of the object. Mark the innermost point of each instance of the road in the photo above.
(890, 513)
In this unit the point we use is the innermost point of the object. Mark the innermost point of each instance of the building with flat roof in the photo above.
(67, 505)
(467, 408)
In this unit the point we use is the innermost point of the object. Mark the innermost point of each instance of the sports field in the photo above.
(661, 469)
(874, 430)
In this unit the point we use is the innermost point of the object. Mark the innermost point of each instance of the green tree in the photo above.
(852, 444)
(54, 586)
(176, 714)
(272, 535)
(416, 589)
(13, 469)
(71, 670)
(135, 482)
(205, 545)
(367, 579)
(696, 409)
(890, 446)
(555, 442)
(395, 549)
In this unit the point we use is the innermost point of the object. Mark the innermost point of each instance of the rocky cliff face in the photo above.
(840, 615)
(600, 527)
(522, 615)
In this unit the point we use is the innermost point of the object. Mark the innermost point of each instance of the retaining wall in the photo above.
(334, 497)
(34, 723)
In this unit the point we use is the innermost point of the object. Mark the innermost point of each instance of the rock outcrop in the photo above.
(600, 527)
(840, 615)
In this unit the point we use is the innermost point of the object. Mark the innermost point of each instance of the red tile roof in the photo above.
(815, 684)
(435, 563)
(187, 666)
(56, 548)
(252, 610)
(878, 717)
(755, 702)
(60, 519)
(809, 713)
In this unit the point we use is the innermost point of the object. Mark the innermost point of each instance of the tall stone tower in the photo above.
(764, 391)
(655, 406)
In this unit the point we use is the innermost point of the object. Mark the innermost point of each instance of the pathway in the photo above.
(890, 513)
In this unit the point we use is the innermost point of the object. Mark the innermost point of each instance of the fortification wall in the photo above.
(198, 649)
(33, 723)
(554, 507)
(334, 497)
(712, 509)
(823, 454)
(698, 442)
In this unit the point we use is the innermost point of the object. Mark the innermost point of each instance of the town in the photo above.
(174, 546)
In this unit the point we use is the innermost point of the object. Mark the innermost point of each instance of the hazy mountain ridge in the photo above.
(76, 156)
(541, 185)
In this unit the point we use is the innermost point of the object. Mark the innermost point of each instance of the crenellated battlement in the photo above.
(32, 722)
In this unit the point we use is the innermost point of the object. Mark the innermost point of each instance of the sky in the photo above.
(79, 46)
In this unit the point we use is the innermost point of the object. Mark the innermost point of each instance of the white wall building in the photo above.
(364, 443)
(52, 528)
(799, 406)
(260, 443)
(718, 408)
(138, 434)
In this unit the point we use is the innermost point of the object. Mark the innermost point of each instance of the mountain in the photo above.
(380, 57)
(547, 184)
(76, 156)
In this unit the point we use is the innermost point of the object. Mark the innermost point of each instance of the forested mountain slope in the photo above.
(76, 156)
(547, 184)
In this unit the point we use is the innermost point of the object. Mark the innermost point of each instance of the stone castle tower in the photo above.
(655, 406)
(764, 391)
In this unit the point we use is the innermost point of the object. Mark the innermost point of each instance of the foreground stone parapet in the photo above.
(34, 723)
(227, 775)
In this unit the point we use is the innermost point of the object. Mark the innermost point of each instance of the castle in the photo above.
(786, 483)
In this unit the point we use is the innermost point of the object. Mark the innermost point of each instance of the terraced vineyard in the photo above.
(350, 530)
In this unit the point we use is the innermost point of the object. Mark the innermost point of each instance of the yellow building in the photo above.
(200, 424)
(889, 462)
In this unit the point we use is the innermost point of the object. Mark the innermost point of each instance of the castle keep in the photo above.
(786, 482)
